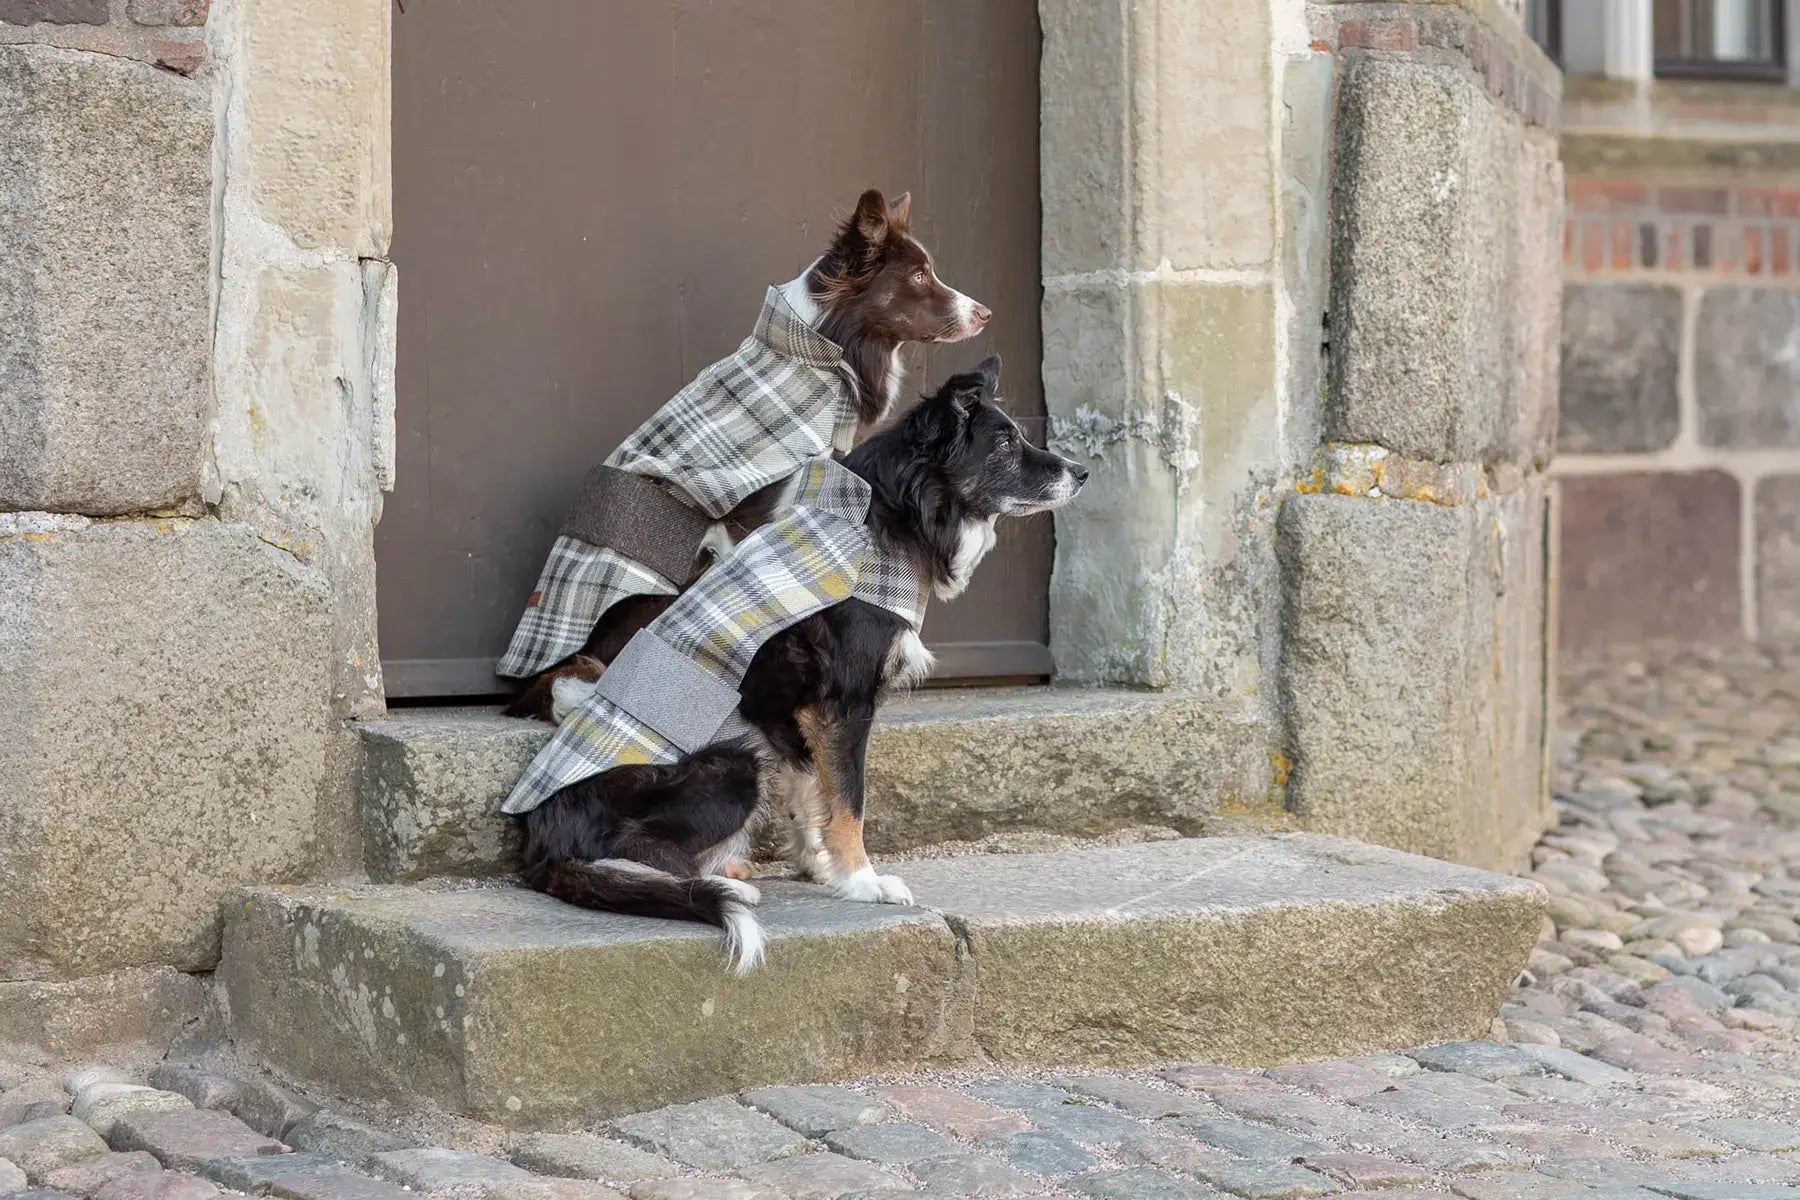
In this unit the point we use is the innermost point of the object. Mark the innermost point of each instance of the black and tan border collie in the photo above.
(657, 840)
(873, 291)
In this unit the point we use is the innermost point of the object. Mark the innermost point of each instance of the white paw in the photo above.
(749, 893)
(867, 886)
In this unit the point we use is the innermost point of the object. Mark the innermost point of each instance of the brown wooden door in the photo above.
(590, 197)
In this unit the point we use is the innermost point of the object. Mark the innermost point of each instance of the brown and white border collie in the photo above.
(873, 291)
(655, 840)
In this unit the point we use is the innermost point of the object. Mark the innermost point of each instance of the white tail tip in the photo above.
(744, 940)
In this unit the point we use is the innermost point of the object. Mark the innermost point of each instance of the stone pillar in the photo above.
(1417, 628)
(194, 425)
(1182, 150)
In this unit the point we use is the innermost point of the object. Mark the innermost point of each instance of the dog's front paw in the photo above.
(867, 886)
(894, 890)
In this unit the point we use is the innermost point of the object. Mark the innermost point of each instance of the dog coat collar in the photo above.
(674, 689)
(785, 396)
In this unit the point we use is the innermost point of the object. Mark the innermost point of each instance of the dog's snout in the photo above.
(981, 313)
(1079, 472)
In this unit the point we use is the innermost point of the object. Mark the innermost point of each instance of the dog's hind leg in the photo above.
(839, 740)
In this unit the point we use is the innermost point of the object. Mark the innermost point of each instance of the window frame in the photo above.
(1773, 69)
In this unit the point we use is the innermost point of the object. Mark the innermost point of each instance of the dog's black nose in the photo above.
(1080, 474)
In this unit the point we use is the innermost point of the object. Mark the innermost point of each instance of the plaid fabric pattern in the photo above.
(783, 397)
(782, 573)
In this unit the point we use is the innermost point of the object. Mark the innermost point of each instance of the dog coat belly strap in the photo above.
(639, 519)
(668, 691)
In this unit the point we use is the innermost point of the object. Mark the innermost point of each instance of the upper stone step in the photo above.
(505, 1005)
(943, 766)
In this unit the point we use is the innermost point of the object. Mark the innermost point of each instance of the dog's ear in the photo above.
(900, 213)
(971, 388)
(989, 369)
(871, 219)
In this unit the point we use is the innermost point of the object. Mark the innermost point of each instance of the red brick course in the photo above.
(54, 12)
(169, 12)
(1623, 226)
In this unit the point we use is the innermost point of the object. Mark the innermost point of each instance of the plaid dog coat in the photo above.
(674, 688)
(785, 396)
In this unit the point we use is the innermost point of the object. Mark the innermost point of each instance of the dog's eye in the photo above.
(1004, 443)
(920, 277)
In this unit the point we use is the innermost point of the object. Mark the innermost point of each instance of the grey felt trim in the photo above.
(639, 519)
(665, 690)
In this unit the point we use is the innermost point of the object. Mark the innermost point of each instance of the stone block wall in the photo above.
(1680, 444)
(1301, 296)
(195, 426)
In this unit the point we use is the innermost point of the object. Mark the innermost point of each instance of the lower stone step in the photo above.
(943, 766)
(504, 1005)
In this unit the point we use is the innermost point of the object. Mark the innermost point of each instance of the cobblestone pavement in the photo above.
(1651, 1050)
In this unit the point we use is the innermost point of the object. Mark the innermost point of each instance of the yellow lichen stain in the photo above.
(1427, 493)
(1345, 489)
(1284, 768)
(1313, 485)
(1380, 469)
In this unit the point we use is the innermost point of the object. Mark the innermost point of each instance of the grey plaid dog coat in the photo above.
(674, 688)
(785, 396)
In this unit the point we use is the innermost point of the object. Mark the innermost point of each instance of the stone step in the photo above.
(946, 765)
(501, 1004)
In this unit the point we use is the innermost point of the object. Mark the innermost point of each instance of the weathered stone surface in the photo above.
(463, 975)
(824, 1177)
(203, 1088)
(167, 1185)
(1179, 422)
(251, 1173)
(104, 404)
(102, 1104)
(186, 1139)
(1619, 364)
(1441, 202)
(714, 1135)
(1300, 916)
(1069, 761)
(12, 1178)
(39, 1147)
(334, 1185)
(85, 1177)
(1483, 1060)
(207, 649)
(436, 1169)
(1649, 556)
(584, 1156)
(317, 131)
(623, 991)
(1413, 672)
(1075, 762)
(269, 1108)
(327, 1132)
(1050, 1155)
(554, 1189)
(32, 1100)
(897, 1143)
(973, 1175)
(428, 793)
(1746, 374)
(1185, 101)
(1778, 558)
(815, 1109)
(1140, 1183)
(703, 1189)
(1271, 1179)
(125, 1015)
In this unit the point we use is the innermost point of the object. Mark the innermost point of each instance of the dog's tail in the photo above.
(623, 886)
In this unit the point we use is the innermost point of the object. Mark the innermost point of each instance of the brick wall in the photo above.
(167, 33)
(1679, 447)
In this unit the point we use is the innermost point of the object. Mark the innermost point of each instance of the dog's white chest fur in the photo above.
(909, 663)
(974, 541)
